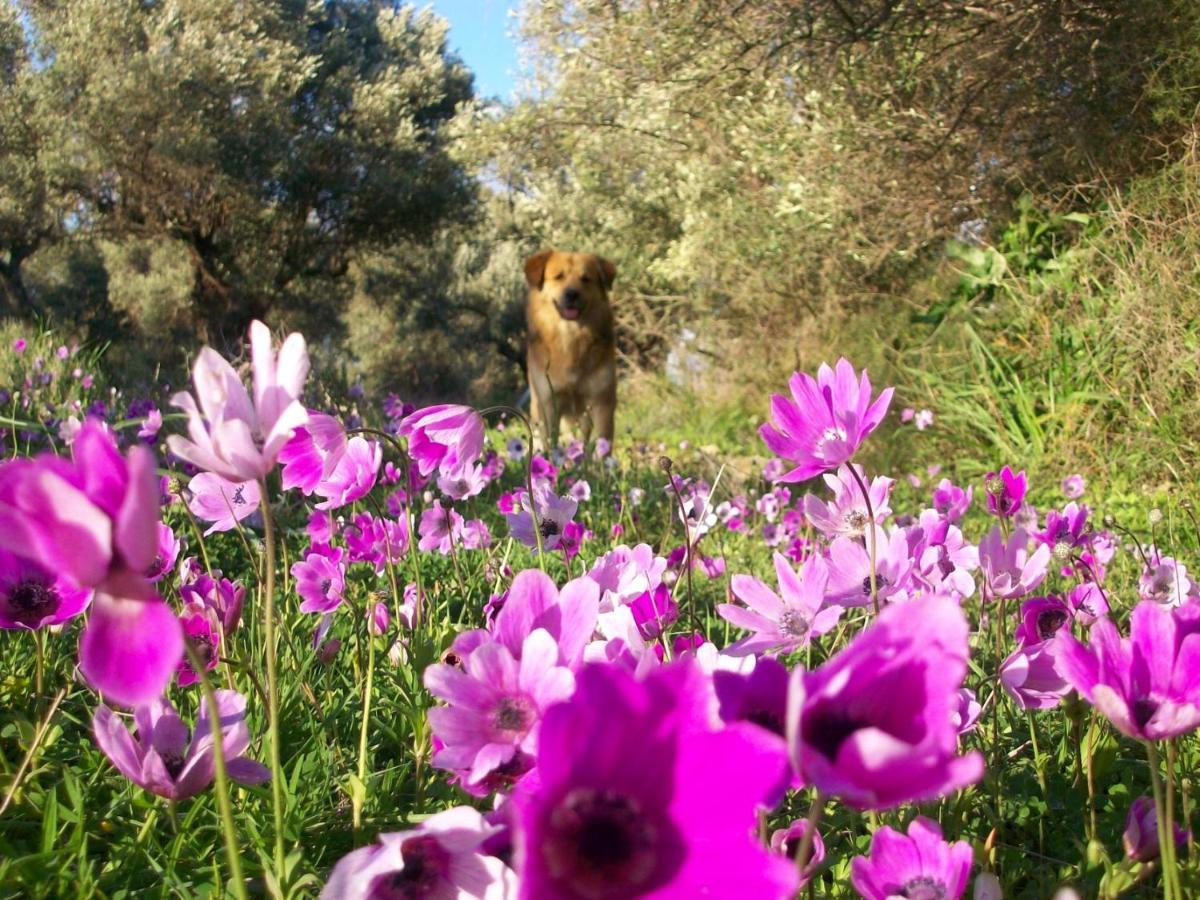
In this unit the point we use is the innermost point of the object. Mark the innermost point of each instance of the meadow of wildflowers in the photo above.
(258, 642)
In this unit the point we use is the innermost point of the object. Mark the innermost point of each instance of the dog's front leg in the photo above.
(543, 409)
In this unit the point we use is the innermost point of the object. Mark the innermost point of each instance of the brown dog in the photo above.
(571, 353)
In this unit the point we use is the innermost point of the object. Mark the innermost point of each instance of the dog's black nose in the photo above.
(571, 296)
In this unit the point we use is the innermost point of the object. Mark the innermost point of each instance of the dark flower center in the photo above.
(460, 487)
(155, 567)
(923, 888)
(502, 778)
(827, 729)
(856, 520)
(513, 714)
(601, 843)
(881, 581)
(426, 865)
(238, 499)
(172, 762)
(794, 623)
(548, 528)
(1143, 711)
(767, 719)
(324, 586)
(945, 565)
(1049, 622)
(32, 601)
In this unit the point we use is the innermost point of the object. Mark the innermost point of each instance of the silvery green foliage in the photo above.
(250, 148)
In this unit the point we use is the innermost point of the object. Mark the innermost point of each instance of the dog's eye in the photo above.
(586, 280)
(560, 276)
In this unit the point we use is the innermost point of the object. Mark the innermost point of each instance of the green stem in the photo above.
(1170, 877)
(687, 548)
(870, 526)
(272, 684)
(806, 842)
(39, 643)
(225, 809)
(360, 798)
(32, 751)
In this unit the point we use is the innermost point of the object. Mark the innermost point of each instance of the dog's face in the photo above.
(576, 283)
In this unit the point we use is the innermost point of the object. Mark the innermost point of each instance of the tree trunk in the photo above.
(14, 296)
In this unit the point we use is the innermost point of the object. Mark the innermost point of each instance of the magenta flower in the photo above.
(446, 437)
(218, 594)
(826, 420)
(93, 521)
(201, 629)
(678, 823)
(312, 453)
(569, 615)
(466, 482)
(32, 597)
(320, 581)
(654, 612)
(1005, 492)
(495, 705)
(786, 842)
(966, 715)
(1073, 486)
(943, 560)
(625, 573)
(165, 760)
(1141, 831)
(951, 501)
(850, 569)
(168, 553)
(1147, 685)
(1041, 618)
(874, 725)
(1031, 677)
(376, 541)
(553, 515)
(439, 529)
(228, 434)
(846, 514)
(354, 475)
(784, 623)
(758, 696)
(1065, 531)
(1088, 602)
(441, 857)
(1165, 580)
(920, 864)
(151, 426)
(1009, 569)
(220, 502)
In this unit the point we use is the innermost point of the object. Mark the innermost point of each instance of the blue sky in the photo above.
(479, 34)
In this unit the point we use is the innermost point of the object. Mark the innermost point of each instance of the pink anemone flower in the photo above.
(826, 420)
(165, 759)
(230, 435)
(94, 521)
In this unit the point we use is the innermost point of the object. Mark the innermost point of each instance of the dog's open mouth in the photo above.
(568, 312)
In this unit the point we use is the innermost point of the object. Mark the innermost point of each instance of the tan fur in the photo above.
(571, 362)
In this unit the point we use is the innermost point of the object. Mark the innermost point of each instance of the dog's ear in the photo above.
(535, 268)
(608, 271)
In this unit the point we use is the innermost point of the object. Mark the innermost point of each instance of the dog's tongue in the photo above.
(568, 313)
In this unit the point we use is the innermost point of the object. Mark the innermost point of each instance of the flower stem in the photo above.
(29, 754)
(687, 549)
(806, 841)
(39, 643)
(866, 494)
(1170, 876)
(225, 809)
(360, 798)
(277, 775)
